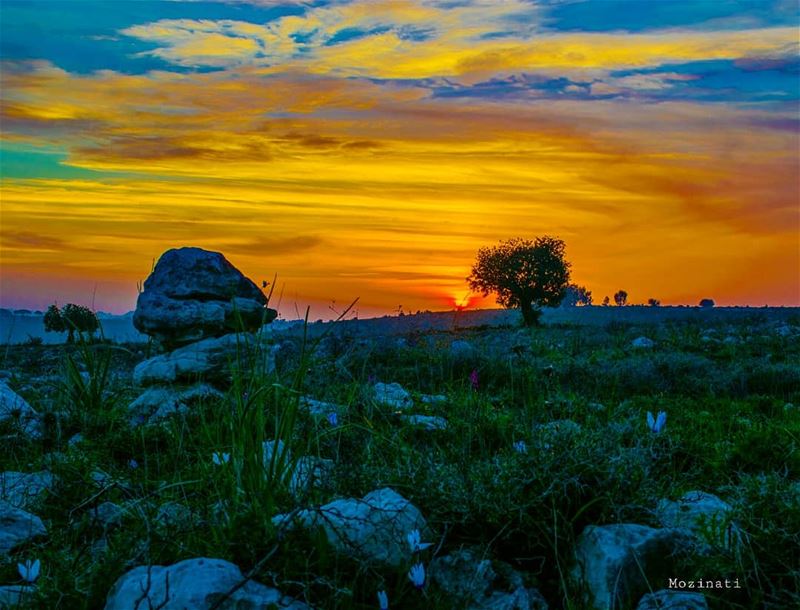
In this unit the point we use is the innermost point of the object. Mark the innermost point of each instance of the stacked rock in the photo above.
(204, 311)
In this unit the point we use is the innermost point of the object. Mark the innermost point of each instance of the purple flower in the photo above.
(133, 464)
(383, 600)
(473, 379)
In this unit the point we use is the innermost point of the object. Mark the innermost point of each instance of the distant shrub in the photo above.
(621, 298)
(576, 296)
(706, 303)
(653, 302)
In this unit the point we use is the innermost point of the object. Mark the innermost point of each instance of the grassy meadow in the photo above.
(546, 434)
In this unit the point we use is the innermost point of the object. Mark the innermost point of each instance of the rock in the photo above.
(14, 410)
(193, 584)
(209, 359)
(784, 331)
(307, 472)
(642, 342)
(462, 575)
(318, 408)
(392, 395)
(17, 527)
(22, 489)
(107, 515)
(373, 528)
(667, 599)
(520, 599)
(705, 516)
(426, 422)
(433, 399)
(193, 294)
(158, 403)
(465, 577)
(617, 562)
(174, 516)
(16, 596)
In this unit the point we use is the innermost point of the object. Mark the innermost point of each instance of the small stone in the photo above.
(642, 343)
(667, 599)
(425, 422)
(703, 514)
(15, 410)
(392, 395)
(17, 527)
(22, 489)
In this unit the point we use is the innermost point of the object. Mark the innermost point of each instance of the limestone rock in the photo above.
(392, 395)
(193, 584)
(373, 528)
(21, 489)
(705, 515)
(211, 358)
(15, 410)
(193, 294)
(158, 403)
(17, 527)
(667, 599)
(425, 422)
(643, 343)
(616, 562)
(16, 596)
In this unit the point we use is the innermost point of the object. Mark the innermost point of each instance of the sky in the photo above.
(369, 148)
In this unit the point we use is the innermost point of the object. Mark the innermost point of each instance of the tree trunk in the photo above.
(530, 316)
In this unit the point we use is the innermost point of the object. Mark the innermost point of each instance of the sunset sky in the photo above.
(368, 148)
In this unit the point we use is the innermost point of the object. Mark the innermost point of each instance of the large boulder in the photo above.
(373, 528)
(194, 584)
(193, 294)
(15, 411)
(17, 527)
(616, 563)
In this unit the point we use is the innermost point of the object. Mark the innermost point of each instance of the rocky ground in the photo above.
(483, 469)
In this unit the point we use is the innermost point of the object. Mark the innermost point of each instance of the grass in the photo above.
(729, 432)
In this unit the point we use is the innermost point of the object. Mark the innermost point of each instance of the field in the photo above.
(538, 434)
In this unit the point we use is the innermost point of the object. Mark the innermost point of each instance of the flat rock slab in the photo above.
(193, 584)
(17, 527)
(373, 528)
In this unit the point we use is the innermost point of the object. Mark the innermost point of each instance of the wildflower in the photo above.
(29, 570)
(473, 379)
(521, 447)
(333, 419)
(414, 538)
(133, 464)
(221, 458)
(383, 600)
(417, 575)
(656, 424)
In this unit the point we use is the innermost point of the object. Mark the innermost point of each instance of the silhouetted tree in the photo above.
(71, 318)
(576, 296)
(653, 302)
(621, 298)
(606, 301)
(706, 303)
(53, 322)
(523, 273)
